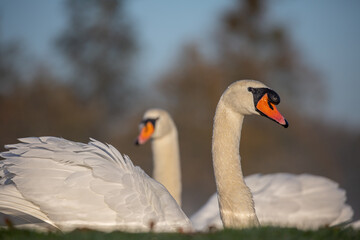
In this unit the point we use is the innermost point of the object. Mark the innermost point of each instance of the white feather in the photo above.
(303, 201)
(72, 185)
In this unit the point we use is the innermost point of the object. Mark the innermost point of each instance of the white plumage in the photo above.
(72, 185)
(303, 201)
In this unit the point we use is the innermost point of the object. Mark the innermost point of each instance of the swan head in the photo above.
(156, 123)
(250, 97)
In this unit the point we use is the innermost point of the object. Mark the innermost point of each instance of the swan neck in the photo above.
(166, 158)
(235, 199)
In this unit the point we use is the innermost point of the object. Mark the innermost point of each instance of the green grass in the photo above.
(248, 234)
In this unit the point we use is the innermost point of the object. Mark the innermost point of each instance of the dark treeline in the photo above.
(99, 98)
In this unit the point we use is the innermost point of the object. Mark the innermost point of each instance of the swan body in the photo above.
(66, 185)
(303, 201)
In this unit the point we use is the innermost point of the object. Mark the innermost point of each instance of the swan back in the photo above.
(90, 185)
(303, 201)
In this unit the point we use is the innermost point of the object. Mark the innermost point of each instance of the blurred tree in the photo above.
(43, 106)
(99, 45)
(9, 66)
(250, 47)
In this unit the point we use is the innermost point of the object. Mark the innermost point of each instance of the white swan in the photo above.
(51, 183)
(303, 201)
(158, 125)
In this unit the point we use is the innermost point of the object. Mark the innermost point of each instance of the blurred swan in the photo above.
(304, 201)
(159, 125)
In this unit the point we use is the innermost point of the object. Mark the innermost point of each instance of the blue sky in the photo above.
(326, 32)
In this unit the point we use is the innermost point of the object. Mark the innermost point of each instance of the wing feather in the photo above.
(87, 185)
(304, 201)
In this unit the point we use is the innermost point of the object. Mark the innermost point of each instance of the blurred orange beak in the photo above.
(268, 109)
(145, 133)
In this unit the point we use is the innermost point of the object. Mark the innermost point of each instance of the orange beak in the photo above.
(145, 133)
(265, 107)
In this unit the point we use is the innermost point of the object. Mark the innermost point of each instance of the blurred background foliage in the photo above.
(100, 96)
